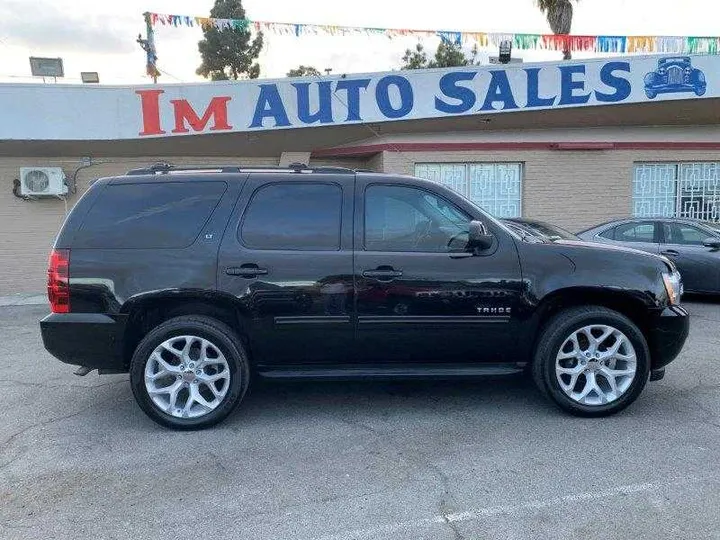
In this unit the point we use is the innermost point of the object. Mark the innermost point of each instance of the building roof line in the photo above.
(371, 149)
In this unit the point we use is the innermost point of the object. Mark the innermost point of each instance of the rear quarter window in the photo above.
(149, 215)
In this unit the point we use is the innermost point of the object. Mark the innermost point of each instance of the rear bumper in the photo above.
(667, 335)
(93, 340)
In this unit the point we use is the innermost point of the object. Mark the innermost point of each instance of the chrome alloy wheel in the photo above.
(596, 365)
(187, 376)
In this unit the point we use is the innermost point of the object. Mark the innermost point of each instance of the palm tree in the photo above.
(559, 14)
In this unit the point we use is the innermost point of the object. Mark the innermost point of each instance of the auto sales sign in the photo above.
(62, 112)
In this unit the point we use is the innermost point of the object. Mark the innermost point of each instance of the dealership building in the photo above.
(574, 143)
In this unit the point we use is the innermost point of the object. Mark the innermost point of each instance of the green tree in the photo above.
(559, 15)
(447, 55)
(229, 53)
(303, 71)
(417, 59)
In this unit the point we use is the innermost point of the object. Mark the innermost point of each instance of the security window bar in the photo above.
(689, 190)
(495, 187)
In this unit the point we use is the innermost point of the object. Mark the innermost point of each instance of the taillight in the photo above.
(58, 285)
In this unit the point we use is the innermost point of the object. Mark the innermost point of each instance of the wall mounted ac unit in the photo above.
(42, 182)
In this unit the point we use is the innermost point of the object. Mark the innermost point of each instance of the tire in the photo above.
(651, 94)
(555, 344)
(215, 356)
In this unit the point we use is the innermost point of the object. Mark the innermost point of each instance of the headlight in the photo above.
(673, 286)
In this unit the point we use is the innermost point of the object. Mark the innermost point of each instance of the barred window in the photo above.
(495, 187)
(690, 190)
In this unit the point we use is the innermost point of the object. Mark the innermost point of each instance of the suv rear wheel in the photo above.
(591, 361)
(189, 372)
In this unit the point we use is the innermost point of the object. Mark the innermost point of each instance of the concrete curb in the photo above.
(23, 300)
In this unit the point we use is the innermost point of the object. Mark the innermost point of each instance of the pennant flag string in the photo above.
(522, 41)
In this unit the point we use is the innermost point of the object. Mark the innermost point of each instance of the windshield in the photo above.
(553, 232)
(715, 226)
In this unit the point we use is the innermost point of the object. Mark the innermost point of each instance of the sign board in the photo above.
(496, 60)
(89, 112)
(46, 67)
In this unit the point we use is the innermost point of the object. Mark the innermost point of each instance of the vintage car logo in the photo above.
(675, 74)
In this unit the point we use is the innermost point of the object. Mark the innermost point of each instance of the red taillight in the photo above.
(58, 280)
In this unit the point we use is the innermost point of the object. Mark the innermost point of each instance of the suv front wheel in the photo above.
(189, 372)
(591, 361)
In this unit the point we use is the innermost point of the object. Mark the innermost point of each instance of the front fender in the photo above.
(650, 79)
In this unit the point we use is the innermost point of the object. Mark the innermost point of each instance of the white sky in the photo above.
(97, 35)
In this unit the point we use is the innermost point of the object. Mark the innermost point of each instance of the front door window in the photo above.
(405, 219)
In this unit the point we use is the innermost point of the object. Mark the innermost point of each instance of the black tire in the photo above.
(554, 334)
(223, 337)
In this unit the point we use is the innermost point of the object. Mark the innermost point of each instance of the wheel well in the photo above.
(633, 308)
(148, 315)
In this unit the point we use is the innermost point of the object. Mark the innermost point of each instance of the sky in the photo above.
(97, 35)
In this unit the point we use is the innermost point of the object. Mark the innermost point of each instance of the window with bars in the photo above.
(689, 190)
(495, 187)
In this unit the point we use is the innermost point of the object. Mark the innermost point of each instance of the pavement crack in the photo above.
(9, 383)
(24, 430)
(445, 515)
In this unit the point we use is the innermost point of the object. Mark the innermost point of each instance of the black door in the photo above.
(287, 256)
(698, 265)
(420, 296)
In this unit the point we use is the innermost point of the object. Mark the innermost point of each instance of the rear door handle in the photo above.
(246, 270)
(383, 273)
(670, 253)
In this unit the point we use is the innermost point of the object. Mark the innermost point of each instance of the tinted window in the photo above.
(294, 216)
(553, 232)
(677, 233)
(635, 232)
(150, 216)
(399, 218)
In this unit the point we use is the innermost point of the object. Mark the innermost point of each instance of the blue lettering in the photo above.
(533, 88)
(382, 96)
(568, 86)
(324, 112)
(449, 88)
(499, 90)
(620, 84)
(353, 87)
(269, 105)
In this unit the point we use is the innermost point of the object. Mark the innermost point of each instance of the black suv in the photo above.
(198, 281)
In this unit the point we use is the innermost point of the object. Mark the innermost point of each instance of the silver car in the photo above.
(694, 246)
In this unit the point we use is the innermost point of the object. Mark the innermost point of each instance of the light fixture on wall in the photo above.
(582, 146)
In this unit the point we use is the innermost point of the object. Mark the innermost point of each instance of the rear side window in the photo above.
(149, 216)
(294, 216)
(635, 232)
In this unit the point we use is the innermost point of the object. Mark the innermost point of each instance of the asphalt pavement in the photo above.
(340, 461)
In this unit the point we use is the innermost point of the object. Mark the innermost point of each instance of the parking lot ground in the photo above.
(341, 461)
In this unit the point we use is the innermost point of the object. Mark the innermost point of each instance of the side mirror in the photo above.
(478, 237)
(713, 243)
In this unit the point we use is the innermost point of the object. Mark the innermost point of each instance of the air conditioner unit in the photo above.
(42, 181)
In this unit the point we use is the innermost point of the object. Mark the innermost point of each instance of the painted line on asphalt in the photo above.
(491, 511)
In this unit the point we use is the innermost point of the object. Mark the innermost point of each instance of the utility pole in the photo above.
(148, 45)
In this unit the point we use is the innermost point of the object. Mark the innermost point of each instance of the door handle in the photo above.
(670, 253)
(383, 273)
(246, 270)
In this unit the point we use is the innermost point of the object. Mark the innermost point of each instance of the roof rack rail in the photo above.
(167, 168)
